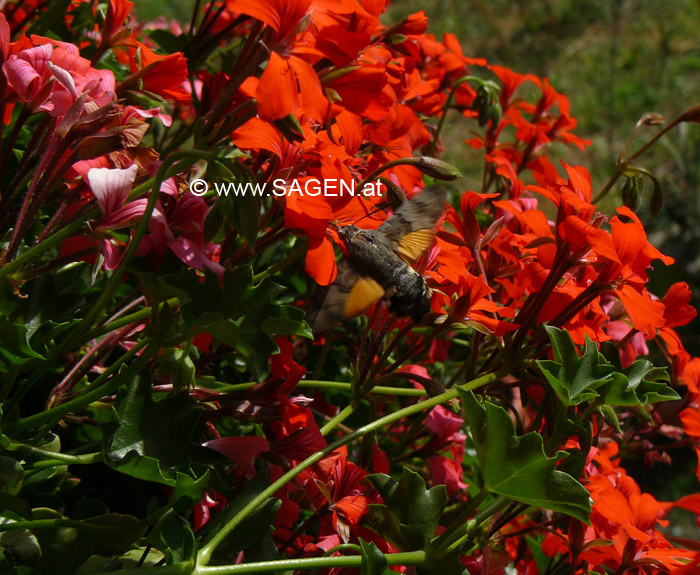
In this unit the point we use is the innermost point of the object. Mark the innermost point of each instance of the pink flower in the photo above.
(443, 422)
(243, 451)
(111, 188)
(181, 230)
(51, 76)
(448, 472)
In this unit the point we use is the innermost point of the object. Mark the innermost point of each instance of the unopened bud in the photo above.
(438, 169)
(632, 191)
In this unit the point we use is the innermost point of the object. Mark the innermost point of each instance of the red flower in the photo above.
(288, 85)
(161, 75)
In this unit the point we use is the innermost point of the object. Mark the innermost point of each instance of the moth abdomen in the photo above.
(411, 296)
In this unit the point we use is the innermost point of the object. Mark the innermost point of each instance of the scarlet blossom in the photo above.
(690, 375)
(202, 511)
(295, 435)
(117, 13)
(690, 417)
(342, 28)
(344, 491)
(626, 517)
(288, 85)
(160, 75)
(634, 254)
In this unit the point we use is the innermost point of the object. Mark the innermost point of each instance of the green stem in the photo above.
(286, 565)
(181, 568)
(334, 385)
(445, 108)
(337, 420)
(454, 530)
(137, 316)
(57, 458)
(475, 523)
(207, 550)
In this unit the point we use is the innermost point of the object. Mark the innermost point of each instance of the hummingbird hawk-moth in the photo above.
(379, 264)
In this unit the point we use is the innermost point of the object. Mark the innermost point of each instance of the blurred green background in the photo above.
(616, 60)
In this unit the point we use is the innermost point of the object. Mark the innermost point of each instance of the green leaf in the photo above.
(535, 546)
(152, 439)
(380, 520)
(63, 549)
(373, 560)
(188, 492)
(637, 385)
(416, 510)
(239, 313)
(289, 322)
(11, 475)
(176, 363)
(213, 223)
(574, 379)
(22, 545)
(14, 507)
(168, 41)
(241, 211)
(139, 558)
(516, 466)
(14, 344)
(173, 536)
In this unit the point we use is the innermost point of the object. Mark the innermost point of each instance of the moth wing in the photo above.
(412, 226)
(349, 295)
(412, 246)
(419, 213)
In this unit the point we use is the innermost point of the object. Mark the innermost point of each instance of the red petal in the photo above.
(320, 261)
(277, 93)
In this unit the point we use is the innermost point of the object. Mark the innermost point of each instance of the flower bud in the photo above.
(438, 169)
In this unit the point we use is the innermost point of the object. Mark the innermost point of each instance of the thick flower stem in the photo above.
(286, 565)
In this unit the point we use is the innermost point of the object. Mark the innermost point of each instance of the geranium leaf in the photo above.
(574, 379)
(152, 439)
(63, 548)
(173, 536)
(416, 509)
(516, 466)
(373, 560)
(637, 385)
